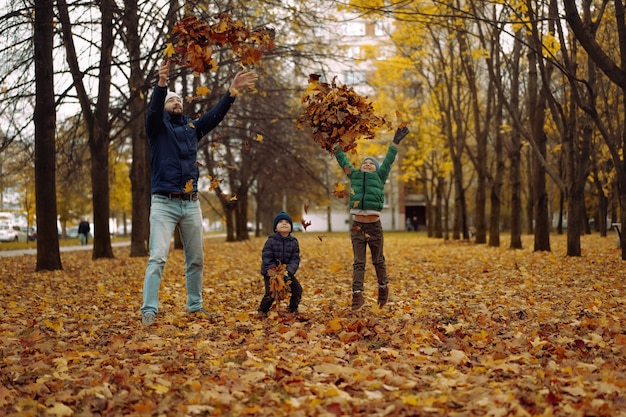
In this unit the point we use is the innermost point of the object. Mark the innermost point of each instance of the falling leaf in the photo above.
(259, 138)
(189, 186)
(340, 190)
(305, 224)
(202, 90)
(169, 50)
(233, 198)
(306, 209)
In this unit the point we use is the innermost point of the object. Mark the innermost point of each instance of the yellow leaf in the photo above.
(189, 186)
(259, 138)
(159, 389)
(57, 327)
(169, 50)
(410, 400)
(333, 326)
(202, 90)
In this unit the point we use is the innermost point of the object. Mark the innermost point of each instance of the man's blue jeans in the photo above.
(165, 214)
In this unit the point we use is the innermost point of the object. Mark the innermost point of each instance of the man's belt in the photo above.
(180, 196)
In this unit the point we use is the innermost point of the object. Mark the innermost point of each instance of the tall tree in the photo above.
(48, 255)
(96, 118)
(140, 166)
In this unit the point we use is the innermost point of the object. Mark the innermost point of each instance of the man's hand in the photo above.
(164, 72)
(243, 79)
(400, 134)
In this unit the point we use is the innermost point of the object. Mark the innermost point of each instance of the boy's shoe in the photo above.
(148, 319)
(201, 314)
(261, 315)
(383, 296)
(357, 300)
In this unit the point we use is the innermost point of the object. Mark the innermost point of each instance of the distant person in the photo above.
(83, 232)
(366, 202)
(415, 223)
(281, 248)
(174, 144)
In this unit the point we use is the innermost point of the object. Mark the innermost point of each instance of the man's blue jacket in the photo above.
(174, 142)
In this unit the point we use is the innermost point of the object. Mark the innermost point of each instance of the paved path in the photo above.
(33, 251)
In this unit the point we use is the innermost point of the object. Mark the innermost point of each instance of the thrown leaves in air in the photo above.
(194, 42)
(338, 116)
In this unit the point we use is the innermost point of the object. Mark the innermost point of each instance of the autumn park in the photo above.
(156, 156)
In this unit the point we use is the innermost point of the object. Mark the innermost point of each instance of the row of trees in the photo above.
(513, 101)
(506, 102)
(109, 66)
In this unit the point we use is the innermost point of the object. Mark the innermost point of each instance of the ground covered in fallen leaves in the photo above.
(469, 331)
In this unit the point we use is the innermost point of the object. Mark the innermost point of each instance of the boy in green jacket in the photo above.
(366, 203)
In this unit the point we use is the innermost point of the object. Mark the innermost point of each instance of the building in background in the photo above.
(352, 39)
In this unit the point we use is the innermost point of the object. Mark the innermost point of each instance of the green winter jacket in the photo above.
(367, 187)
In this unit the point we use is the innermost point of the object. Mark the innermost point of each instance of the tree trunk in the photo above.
(542, 215)
(97, 120)
(498, 179)
(242, 215)
(140, 166)
(537, 106)
(515, 153)
(439, 202)
(48, 255)
(99, 140)
(480, 156)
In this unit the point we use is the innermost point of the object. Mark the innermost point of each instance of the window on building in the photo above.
(354, 52)
(354, 29)
(381, 29)
(353, 77)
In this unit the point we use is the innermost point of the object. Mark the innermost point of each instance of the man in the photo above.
(174, 144)
(83, 232)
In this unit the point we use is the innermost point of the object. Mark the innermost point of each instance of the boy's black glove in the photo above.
(400, 134)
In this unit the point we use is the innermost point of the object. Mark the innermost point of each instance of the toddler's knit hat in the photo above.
(371, 158)
(282, 216)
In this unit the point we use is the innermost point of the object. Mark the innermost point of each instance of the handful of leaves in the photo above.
(194, 41)
(279, 286)
(338, 115)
